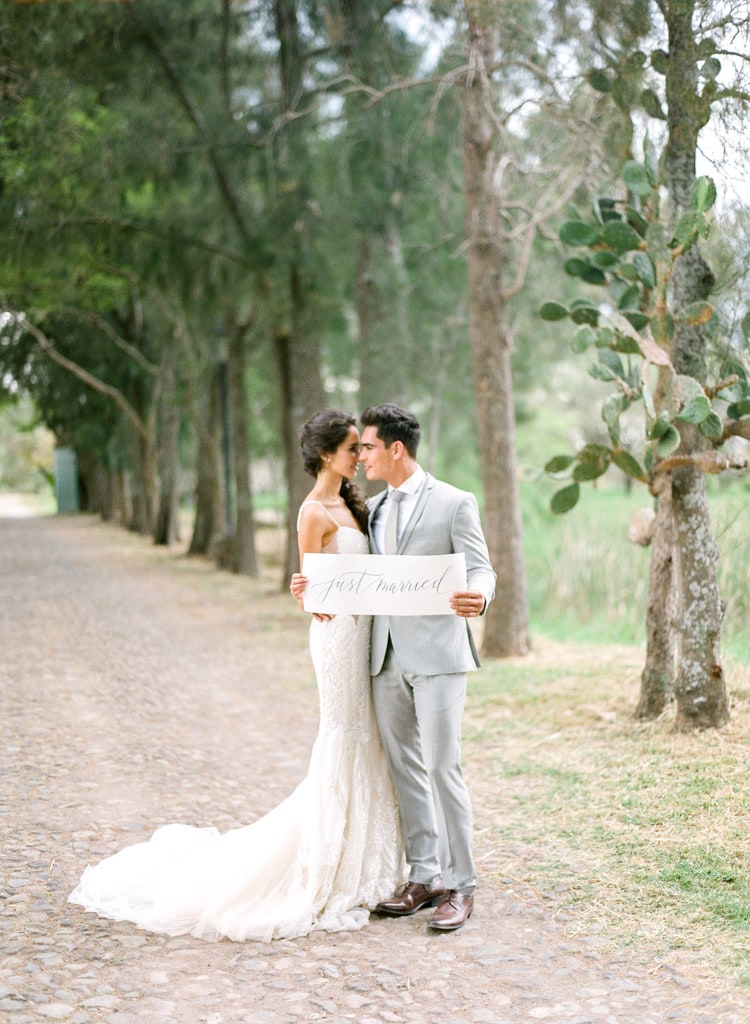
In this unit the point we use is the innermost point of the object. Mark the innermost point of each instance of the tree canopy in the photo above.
(220, 215)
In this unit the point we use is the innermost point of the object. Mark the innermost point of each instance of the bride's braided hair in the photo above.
(321, 435)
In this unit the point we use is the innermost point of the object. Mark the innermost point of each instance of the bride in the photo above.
(332, 850)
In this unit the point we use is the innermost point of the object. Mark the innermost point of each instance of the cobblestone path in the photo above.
(133, 693)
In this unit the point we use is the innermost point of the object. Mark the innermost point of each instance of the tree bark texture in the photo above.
(296, 336)
(210, 510)
(380, 291)
(243, 556)
(699, 686)
(301, 395)
(657, 678)
(145, 489)
(381, 278)
(506, 623)
(167, 527)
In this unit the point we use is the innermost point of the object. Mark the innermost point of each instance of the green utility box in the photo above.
(66, 480)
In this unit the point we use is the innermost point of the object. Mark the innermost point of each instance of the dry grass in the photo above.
(629, 828)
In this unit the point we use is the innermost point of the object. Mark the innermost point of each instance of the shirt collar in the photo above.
(412, 483)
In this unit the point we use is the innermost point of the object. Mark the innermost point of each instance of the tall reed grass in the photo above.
(588, 583)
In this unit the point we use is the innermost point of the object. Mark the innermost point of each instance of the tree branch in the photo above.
(554, 199)
(737, 428)
(731, 94)
(195, 116)
(82, 374)
(106, 328)
(711, 462)
(131, 225)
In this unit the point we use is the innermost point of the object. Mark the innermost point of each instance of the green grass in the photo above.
(588, 583)
(636, 831)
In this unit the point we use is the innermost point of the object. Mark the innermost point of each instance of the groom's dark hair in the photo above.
(393, 424)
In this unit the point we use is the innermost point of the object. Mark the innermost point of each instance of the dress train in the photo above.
(321, 859)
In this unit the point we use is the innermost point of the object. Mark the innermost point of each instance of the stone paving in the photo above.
(132, 693)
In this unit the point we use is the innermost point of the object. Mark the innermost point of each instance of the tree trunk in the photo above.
(381, 281)
(116, 496)
(699, 686)
(167, 527)
(369, 303)
(380, 297)
(657, 678)
(296, 335)
(144, 486)
(301, 395)
(91, 479)
(243, 557)
(700, 689)
(210, 519)
(506, 624)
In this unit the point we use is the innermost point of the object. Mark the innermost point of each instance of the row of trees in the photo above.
(224, 214)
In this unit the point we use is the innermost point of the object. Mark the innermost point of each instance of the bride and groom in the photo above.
(382, 820)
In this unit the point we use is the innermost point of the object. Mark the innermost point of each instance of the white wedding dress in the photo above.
(321, 859)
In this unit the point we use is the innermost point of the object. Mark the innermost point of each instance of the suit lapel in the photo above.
(374, 506)
(422, 499)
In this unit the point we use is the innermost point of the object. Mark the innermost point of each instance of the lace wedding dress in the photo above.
(318, 860)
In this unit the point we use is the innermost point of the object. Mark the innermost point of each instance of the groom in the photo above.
(419, 666)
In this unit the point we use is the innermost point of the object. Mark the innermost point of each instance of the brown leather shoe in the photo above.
(454, 911)
(412, 898)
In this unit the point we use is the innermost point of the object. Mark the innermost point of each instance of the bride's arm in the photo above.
(312, 535)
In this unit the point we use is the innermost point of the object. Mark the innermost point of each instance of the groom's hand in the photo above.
(467, 603)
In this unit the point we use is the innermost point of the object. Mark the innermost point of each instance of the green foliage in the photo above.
(593, 461)
(553, 311)
(578, 233)
(620, 237)
(703, 195)
(668, 442)
(110, 191)
(629, 252)
(696, 410)
(26, 449)
(565, 499)
(636, 177)
(629, 465)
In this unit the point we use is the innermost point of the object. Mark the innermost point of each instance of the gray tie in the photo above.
(390, 543)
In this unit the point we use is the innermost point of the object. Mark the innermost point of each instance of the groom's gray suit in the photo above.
(430, 656)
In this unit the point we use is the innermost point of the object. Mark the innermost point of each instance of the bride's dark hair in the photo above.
(321, 435)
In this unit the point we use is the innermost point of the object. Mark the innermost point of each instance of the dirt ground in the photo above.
(138, 687)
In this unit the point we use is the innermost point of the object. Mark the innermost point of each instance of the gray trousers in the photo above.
(419, 718)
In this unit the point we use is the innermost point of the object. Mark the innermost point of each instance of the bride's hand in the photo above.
(297, 585)
(297, 589)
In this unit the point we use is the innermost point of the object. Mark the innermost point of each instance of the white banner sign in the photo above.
(382, 584)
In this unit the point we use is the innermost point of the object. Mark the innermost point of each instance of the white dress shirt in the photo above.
(410, 489)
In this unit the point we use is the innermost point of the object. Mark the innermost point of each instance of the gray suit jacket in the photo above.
(445, 521)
